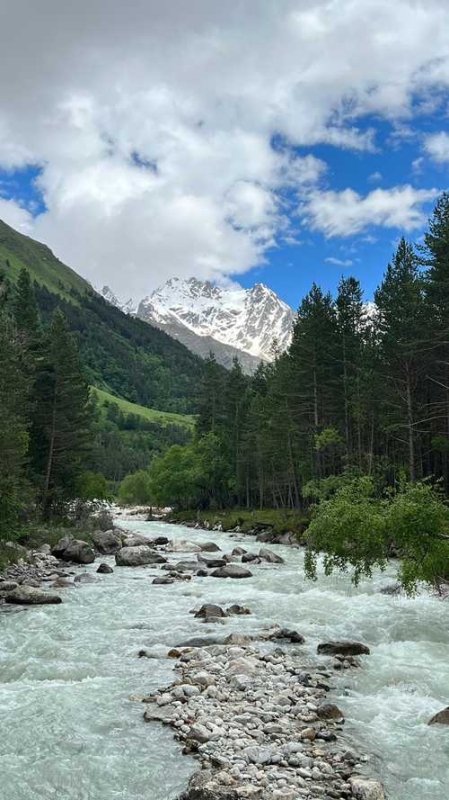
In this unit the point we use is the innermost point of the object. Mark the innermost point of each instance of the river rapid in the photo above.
(68, 730)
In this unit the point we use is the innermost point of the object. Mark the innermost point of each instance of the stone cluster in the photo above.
(259, 724)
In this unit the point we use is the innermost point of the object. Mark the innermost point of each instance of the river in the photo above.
(68, 730)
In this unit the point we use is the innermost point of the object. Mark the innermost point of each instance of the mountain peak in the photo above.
(249, 320)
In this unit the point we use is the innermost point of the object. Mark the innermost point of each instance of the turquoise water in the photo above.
(69, 731)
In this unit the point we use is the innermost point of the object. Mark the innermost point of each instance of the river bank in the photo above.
(73, 667)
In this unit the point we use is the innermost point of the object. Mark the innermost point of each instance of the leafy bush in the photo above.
(135, 489)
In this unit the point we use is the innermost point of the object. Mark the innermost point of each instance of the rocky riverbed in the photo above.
(254, 663)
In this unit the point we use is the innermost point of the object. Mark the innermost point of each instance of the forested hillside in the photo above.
(354, 415)
(120, 354)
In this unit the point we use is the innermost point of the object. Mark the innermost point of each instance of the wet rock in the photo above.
(209, 547)
(105, 569)
(291, 636)
(163, 581)
(75, 550)
(147, 654)
(442, 718)
(136, 540)
(236, 610)
(159, 541)
(199, 641)
(342, 648)
(7, 586)
(238, 639)
(182, 546)
(232, 571)
(366, 789)
(107, 542)
(30, 596)
(210, 610)
(136, 556)
(85, 577)
(268, 555)
(62, 583)
(248, 557)
(239, 551)
(165, 714)
(329, 711)
(212, 563)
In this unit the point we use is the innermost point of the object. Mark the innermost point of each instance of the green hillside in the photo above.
(121, 355)
(149, 414)
(18, 251)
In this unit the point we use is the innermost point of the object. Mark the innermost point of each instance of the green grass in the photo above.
(280, 521)
(19, 252)
(150, 414)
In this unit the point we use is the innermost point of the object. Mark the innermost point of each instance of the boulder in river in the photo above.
(135, 540)
(107, 542)
(442, 718)
(210, 610)
(285, 633)
(232, 571)
(30, 596)
(105, 569)
(182, 546)
(268, 555)
(249, 557)
(136, 556)
(209, 547)
(343, 648)
(366, 788)
(211, 563)
(329, 711)
(75, 550)
(236, 610)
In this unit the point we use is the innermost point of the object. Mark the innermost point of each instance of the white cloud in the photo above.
(339, 262)
(203, 97)
(16, 216)
(437, 147)
(347, 213)
(375, 177)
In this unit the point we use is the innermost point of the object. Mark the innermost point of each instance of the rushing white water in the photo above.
(68, 730)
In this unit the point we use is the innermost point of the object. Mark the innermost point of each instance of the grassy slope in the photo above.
(150, 414)
(18, 252)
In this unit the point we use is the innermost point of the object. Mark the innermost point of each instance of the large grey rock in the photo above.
(137, 556)
(366, 789)
(30, 596)
(342, 648)
(165, 714)
(268, 555)
(232, 571)
(75, 550)
(182, 546)
(329, 711)
(203, 787)
(209, 547)
(210, 610)
(7, 586)
(107, 542)
(200, 641)
(135, 540)
(105, 569)
(212, 563)
(442, 718)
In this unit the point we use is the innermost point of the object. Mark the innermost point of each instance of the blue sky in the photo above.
(287, 148)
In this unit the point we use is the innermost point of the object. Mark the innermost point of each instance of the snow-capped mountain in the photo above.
(129, 307)
(230, 322)
(250, 320)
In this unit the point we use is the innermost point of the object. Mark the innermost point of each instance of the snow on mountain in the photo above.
(128, 308)
(250, 320)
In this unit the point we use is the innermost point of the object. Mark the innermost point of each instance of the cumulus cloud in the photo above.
(347, 213)
(339, 262)
(168, 133)
(437, 147)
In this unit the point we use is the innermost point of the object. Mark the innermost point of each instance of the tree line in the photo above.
(362, 390)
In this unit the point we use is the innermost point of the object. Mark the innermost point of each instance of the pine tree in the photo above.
(401, 324)
(60, 430)
(211, 400)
